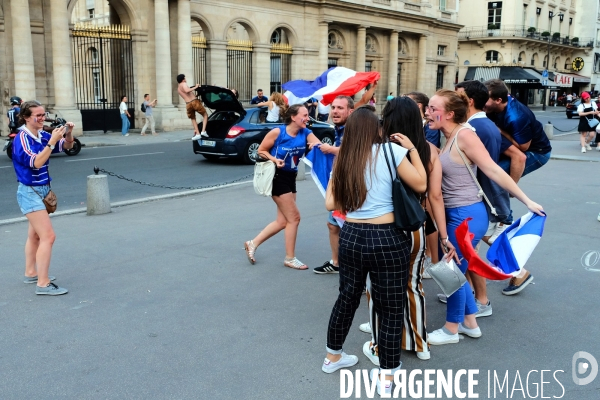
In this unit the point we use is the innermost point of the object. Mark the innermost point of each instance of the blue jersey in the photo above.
(432, 136)
(290, 148)
(339, 134)
(13, 117)
(26, 147)
(519, 122)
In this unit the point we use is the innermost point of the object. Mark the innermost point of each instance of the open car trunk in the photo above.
(227, 110)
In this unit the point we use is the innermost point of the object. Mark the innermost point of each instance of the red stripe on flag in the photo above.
(351, 86)
(464, 239)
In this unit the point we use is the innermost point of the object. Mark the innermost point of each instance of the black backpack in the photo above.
(143, 107)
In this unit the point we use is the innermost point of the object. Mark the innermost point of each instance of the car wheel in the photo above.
(251, 152)
(211, 157)
(327, 140)
(569, 116)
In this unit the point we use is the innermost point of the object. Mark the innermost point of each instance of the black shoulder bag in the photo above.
(408, 213)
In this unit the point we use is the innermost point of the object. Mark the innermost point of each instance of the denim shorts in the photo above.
(332, 220)
(29, 200)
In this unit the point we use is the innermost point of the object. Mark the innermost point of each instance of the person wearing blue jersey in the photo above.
(31, 153)
(519, 126)
(13, 113)
(285, 146)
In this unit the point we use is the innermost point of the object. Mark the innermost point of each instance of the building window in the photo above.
(545, 63)
(399, 80)
(491, 56)
(276, 36)
(495, 13)
(91, 12)
(96, 83)
(441, 50)
(332, 62)
(439, 81)
(443, 5)
(368, 66)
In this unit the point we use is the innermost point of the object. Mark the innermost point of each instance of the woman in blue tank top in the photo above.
(285, 146)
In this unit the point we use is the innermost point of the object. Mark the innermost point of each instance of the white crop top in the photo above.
(273, 113)
(379, 188)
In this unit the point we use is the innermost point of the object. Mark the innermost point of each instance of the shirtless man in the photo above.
(192, 105)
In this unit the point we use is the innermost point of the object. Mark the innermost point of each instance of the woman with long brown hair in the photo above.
(401, 114)
(276, 105)
(370, 243)
(31, 154)
(285, 145)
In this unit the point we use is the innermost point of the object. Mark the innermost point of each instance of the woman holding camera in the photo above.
(31, 153)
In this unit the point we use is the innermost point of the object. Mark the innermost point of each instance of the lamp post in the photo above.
(550, 16)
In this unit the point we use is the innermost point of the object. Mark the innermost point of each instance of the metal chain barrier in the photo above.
(558, 129)
(109, 173)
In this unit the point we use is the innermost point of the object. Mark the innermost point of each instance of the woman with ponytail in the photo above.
(447, 111)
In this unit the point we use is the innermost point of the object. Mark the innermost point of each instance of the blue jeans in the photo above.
(534, 161)
(462, 302)
(126, 124)
(30, 198)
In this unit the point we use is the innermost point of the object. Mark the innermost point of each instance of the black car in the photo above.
(571, 109)
(235, 131)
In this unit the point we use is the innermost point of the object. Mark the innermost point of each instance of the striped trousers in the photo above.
(383, 252)
(414, 333)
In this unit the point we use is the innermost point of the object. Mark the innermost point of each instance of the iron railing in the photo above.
(239, 69)
(523, 31)
(199, 56)
(281, 65)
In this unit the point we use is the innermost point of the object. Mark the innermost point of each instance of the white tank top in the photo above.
(273, 114)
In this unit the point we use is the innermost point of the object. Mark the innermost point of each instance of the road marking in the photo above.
(8, 166)
(103, 158)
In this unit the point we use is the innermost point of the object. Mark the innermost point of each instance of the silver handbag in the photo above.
(448, 276)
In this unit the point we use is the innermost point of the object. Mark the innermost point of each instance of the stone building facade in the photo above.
(516, 40)
(78, 57)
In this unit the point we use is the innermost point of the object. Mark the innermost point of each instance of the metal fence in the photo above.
(523, 31)
(281, 65)
(199, 56)
(103, 73)
(239, 68)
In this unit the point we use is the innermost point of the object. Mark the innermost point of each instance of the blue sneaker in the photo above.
(51, 290)
(517, 284)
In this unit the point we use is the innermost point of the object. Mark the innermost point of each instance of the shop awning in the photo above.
(510, 75)
(580, 78)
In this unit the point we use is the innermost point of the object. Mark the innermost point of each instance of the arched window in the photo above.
(335, 40)
(491, 56)
(534, 59)
(276, 36)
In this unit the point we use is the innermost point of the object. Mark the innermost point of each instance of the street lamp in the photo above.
(550, 16)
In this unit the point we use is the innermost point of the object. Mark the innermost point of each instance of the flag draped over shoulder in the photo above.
(331, 83)
(464, 240)
(511, 250)
(321, 165)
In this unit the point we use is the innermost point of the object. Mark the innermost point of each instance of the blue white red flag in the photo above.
(331, 83)
(321, 165)
(511, 250)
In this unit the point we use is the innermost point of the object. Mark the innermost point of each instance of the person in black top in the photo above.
(259, 98)
(13, 113)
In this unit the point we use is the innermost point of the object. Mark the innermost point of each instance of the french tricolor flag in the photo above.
(334, 82)
(509, 252)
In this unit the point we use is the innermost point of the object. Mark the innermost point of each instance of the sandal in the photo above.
(294, 263)
(250, 249)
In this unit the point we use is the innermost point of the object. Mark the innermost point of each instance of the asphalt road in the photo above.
(171, 164)
(558, 119)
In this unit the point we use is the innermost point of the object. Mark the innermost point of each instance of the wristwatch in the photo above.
(51, 146)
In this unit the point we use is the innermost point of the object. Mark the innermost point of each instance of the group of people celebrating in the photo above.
(490, 141)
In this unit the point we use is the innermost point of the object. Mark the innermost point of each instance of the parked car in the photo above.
(236, 132)
(571, 109)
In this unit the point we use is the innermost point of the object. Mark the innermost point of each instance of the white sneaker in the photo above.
(424, 355)
(440, 336)
(344, 362)
(500, 227)
(203, 133)
(598, 146)
(474, 333)
(127, 134)
(427, 265)
(196, 137)
(366, 327)
(442, 298)
(583, 149)
(387, 388)
(367, 352)
(588, 147)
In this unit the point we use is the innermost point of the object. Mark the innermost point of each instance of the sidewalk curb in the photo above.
(129, 202)
(573, 158)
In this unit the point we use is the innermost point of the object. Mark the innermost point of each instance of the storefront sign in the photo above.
(563, 80)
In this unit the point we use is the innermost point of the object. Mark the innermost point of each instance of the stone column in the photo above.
(185, 64)
(163, 54)
(62, 68)
(422, 83)
(393, 64)
(323, 46)
(361, 42)
(217, 53)
(22, 50)
(261, 69)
